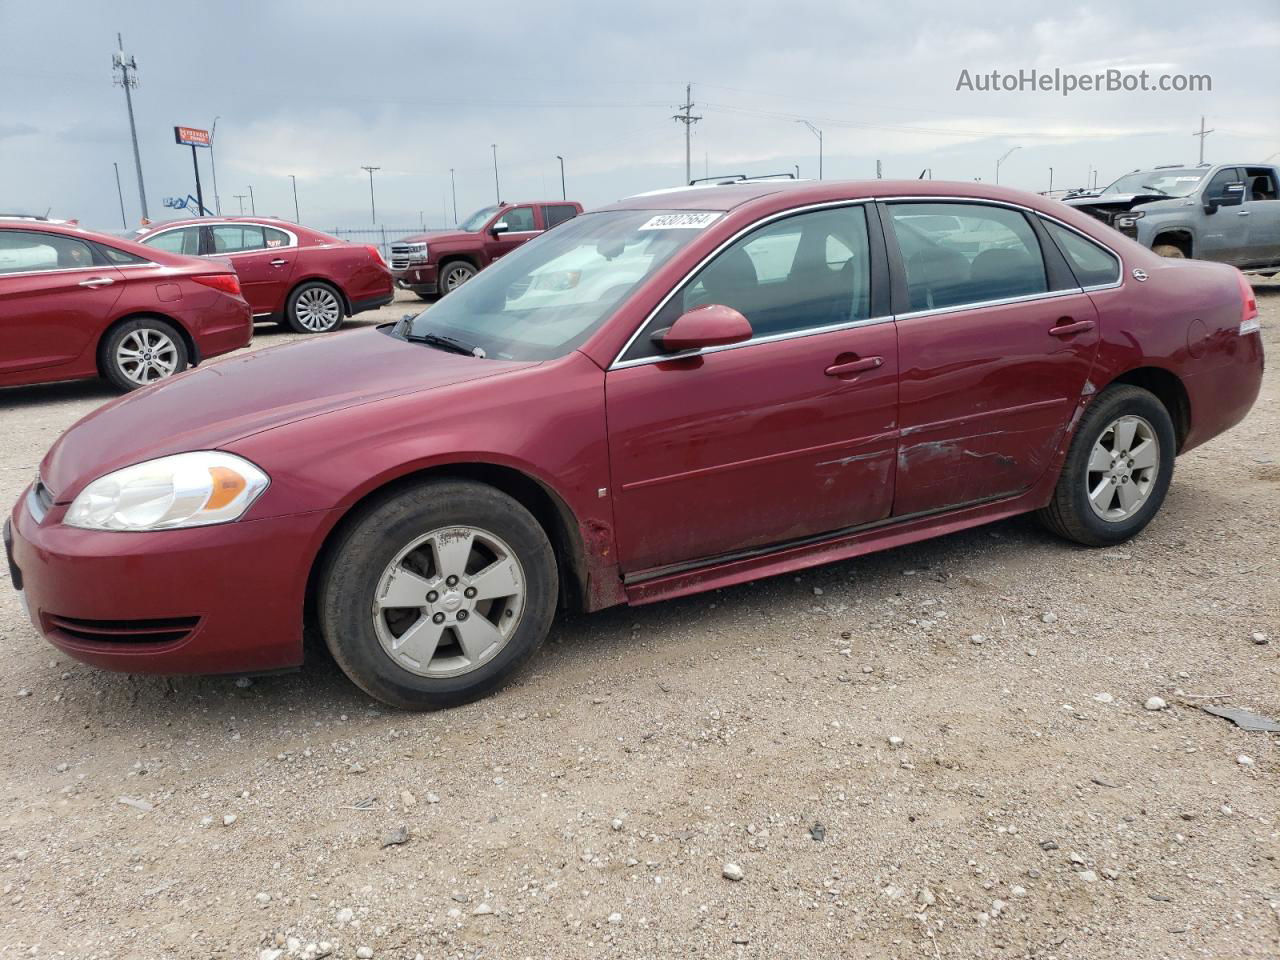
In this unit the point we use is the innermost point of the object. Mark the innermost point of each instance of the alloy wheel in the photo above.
(147, 355)
(1122, 469)
(449, 601)
(318, 309)
(455, 277)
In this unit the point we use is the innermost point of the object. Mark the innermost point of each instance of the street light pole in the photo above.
(453, 185)
(1003, 159)
(563, 194)
(373, 210)
(496, 189)
(240, 198)
(297, 217)
(253, 207)
(120, 193)
(217, 201)
(817, 133)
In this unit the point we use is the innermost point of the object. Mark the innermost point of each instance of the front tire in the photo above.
(436, 596)
(1117, 471)
(314, 307)
(454, 274)
(141, 352)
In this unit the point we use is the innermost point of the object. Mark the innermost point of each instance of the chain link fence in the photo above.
(380, 237)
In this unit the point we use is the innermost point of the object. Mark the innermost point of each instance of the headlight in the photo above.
(186, 490)
(420, 254)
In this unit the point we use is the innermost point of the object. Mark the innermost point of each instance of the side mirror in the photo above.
(500, 227)
(712, 325)
(1231, 195)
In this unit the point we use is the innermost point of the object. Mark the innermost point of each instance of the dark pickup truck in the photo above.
(432, 264)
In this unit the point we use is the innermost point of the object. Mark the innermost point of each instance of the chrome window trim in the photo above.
(619, 364)
(983, 304)
(96, 268)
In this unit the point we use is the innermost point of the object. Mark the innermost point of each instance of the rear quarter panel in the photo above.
(352, 268)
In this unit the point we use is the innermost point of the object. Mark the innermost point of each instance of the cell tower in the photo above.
(127, 68)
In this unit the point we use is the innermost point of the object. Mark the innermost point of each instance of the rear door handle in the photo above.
(1068, 328)
(278, 263)
(97, 282)
(1242, 213)
(854, 366)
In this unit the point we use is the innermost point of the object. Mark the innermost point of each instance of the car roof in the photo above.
(195, 221)
(727, 197)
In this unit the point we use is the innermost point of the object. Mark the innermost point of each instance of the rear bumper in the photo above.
(225, 326)
(219, 599)
(372, 303)
(1223, 396)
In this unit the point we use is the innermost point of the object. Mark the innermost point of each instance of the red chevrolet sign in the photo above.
(191, 135)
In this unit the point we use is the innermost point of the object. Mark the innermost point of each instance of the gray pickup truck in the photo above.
(1226, 211)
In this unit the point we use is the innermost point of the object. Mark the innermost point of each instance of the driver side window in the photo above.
(519, 219)
(804, 272)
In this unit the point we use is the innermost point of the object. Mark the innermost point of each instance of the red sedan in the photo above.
(677, 393)
(76, 304)
(301, 278)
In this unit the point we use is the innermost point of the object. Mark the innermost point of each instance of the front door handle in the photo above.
(1242, 213)
(1066, 328)
(854, 366)
(97, 282)
(278, 263)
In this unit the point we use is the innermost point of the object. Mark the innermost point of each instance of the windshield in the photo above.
(478, 219)
(1174, 182)
(545, 298)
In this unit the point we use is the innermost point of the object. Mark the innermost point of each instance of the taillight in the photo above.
(226, 282)
(377, 254)
(1249, 322)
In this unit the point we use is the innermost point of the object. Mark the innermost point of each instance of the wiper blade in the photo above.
(445, 343)
(1147, 186)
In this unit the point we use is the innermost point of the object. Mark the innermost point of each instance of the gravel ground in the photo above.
(937, 751)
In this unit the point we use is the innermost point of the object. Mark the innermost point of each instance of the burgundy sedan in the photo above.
(76, 304)
(305, 280)
(677, 393)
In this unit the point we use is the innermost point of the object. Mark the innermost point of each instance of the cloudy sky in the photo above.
(316, 89)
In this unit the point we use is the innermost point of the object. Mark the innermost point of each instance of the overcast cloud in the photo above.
(316, 89)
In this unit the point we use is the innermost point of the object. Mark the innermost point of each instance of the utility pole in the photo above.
(217, 201)
(688, 119)
(1201, 134)
(120, 193)
(453, 184)
(253, 207)
(1051, 181)
(240, 197)
(797, 166)
(1007, 153)
(496, 189)
(879, 171)
(373, 210)
(817, 133)
(297, 217)
(128, 68)
(563, 194)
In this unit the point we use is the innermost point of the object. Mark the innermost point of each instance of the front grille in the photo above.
(405, 254)
(168, 630)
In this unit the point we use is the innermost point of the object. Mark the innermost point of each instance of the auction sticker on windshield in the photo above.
(679, 221)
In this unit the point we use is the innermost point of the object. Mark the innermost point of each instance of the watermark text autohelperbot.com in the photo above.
(1065, 83)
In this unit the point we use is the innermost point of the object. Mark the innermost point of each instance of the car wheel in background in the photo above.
(142, 351)
(455, 274)
(436, 596)
(314, 307)
(1117, 471)
(1169, 250)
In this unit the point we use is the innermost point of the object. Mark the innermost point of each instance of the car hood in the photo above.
(440, 236)
(226, 401)
(1116, 201)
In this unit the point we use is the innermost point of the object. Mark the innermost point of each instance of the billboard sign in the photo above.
(191, 136)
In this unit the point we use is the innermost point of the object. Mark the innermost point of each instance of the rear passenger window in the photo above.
(961, 253)
(119, 257)
(804, 272)
(275, 238)
(237, 238)
(558, 213)
(1091, 264)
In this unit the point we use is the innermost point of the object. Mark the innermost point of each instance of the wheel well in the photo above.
(1169, 391)
(1175, 238)
(342, 294)
(552, 514)
(193, 353)
(453, 258)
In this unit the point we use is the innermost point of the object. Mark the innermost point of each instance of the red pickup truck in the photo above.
(432, 264)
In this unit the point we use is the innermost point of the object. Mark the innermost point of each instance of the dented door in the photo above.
(985, 394)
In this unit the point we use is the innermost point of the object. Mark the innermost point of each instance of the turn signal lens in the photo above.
(186, 490)
(377, 254)
(226, 282)
(1249, 306)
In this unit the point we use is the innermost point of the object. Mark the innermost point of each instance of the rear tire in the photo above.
(1117, 471)
(1169, 250)
(314, 307)
(140, 352)
(436, 596)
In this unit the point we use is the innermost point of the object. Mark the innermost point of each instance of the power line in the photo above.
(688, 119)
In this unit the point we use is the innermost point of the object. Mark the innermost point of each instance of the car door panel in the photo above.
(500, 245)
(749, 447)
(1224, 233)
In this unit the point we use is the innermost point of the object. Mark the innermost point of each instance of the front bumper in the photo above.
(219, 599)
(420, 278)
